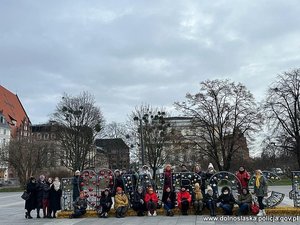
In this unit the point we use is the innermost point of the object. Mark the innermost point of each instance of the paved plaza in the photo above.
(12, 213)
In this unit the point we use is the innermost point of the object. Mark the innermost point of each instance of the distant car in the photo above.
(277, 171)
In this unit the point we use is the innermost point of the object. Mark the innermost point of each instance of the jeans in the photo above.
(243, 209)
(211, 205)
(227, 208)
(168, 206)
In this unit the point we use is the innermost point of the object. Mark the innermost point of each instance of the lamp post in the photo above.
(141, 137)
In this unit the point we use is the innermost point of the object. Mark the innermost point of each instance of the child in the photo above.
(121, 203)
(151, 201)
(244, 202)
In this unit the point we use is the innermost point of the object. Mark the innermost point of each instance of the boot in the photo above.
(154, 213)
(118, 212)
(38, 213)
(260, 213)
(264, 212)
(28, 215)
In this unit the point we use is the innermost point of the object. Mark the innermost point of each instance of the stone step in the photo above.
(278, 211)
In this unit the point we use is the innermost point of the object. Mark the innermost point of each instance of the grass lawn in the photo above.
(11, 189)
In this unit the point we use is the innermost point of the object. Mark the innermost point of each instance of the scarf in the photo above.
(56, 185)
(257, 181)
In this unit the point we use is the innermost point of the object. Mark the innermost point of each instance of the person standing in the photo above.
(31, 203)
(40, 192)
(260, 190)
(199, 171)
(55, 196)
(76, 182)
(167, 176)
(243, 177)
(46, 198)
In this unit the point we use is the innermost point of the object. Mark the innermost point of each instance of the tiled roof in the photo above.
(11, 108)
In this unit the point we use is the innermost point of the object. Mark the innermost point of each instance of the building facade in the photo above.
(116, 152)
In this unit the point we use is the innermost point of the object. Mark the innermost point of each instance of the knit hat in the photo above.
(209, 188)
(119, 189)
(210, 165)
(77, 172)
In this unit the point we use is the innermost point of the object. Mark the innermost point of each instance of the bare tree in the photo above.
(126, 132)
(223, 114)
(282, 110)
(25, 157)
(79, 121)
(153, 133)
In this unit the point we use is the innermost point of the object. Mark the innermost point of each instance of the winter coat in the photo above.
(208, 198)
(137, 197)
(119, 182)
(40, 193)
(76, 182)
(120, 200)
(262, 190)
(55, 198)
(167, 179)
(31, 189)
(151, 197)
(194, 196)
(247, 198)
(80, 203)
(183, 195)
(106, 200)
(243, 177)
(171, 195)
(203, 178)
(226, 199)
(46, 190)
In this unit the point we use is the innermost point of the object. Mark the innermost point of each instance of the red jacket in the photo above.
(152, 197)
(183, 194)
(244, 177)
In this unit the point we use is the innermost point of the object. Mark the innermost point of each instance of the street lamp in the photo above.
(136, 118)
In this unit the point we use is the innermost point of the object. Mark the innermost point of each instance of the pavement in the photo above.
(12, 213)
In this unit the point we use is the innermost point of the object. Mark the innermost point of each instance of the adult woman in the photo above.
(226, 201)
(244, 202)
(105, 203)
(31, 203)
(260, 190)
(55, 196)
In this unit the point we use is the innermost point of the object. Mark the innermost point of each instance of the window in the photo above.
(4, 131)
(1, 119)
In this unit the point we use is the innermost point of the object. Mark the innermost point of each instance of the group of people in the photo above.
(43, 194)
(146, 201)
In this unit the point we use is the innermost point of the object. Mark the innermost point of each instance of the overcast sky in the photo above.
(130, 52)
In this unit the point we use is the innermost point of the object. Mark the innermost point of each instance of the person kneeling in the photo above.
(121, 203)
(80, 206)
(105, 203)
(184, 200)
(138, 203)
(244, 202)
(226, 201)
(197, 199)
(210, 201)
(169, 200)
(151, 201)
